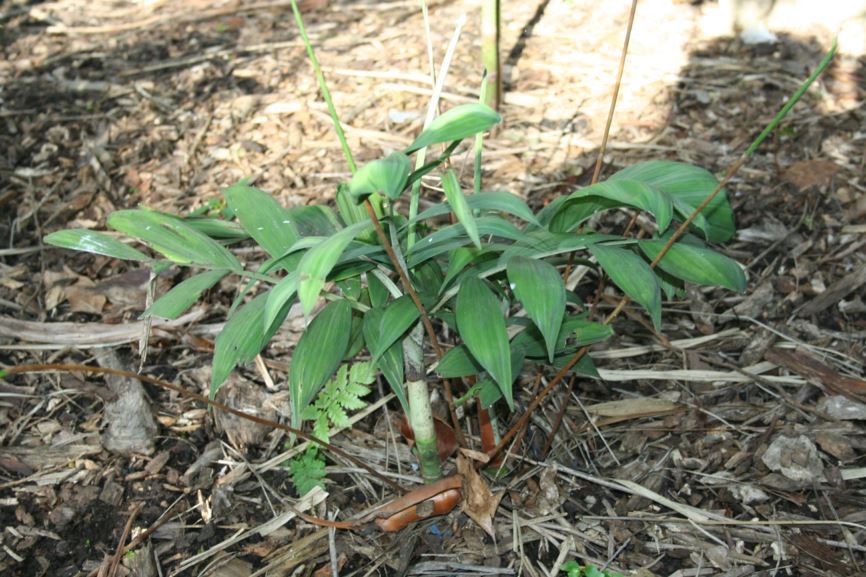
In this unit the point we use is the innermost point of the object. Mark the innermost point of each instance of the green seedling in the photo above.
(481, 268)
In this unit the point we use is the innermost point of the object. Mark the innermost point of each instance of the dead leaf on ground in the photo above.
(808, 173)
(479, 502)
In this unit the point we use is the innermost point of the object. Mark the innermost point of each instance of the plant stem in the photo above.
(490, 27)
(326, 94)
(421, 420)
(422, 311)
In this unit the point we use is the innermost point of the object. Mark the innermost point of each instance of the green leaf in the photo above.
(317, 263)
(458, 259)
(576, 331)
(279, 296)
(487, 201)
(540, 290)
(690, 185)
(460, 207)
(176, 301)
(263, 218)
(457, 363)
(387, 175)
(318, 354)
(315, 220)
(350, 212)
(242, 338)
(173, 238)
(621, 192)
(378, 292)
(391, 361)
(94, 242)
(217, 228)
(307, 471)
(697, 265)
(456, 124)
(396, 319)
(482, 328)
(633, 276)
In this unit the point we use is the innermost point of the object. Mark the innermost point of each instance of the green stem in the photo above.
(326, 94)
(421, 421)
(793, 100)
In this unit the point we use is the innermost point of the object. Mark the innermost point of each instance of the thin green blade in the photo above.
(174, 239)
(263, 218)
(318, 262)
(540, 290)
(482, 328)
(460, 207)
(690, 185)
(94, 242)
(176, 301)
(456, 124)
(697, 265)
(318, 354)
(633, 276)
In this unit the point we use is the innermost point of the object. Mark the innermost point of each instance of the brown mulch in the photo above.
(735, 443)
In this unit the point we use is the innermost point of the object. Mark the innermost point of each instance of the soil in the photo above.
(754, 465)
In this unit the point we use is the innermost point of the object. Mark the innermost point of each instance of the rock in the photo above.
(796, 458)
(842, 408)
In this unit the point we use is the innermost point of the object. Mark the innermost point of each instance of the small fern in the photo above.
(341, 394)
(307, 470)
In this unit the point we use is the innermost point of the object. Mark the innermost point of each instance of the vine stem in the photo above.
(63, 368)
(732, 170)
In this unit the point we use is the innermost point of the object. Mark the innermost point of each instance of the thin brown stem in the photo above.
(422, 311)
(45, 368)
(598, 162)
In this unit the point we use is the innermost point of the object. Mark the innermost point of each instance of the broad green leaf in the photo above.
(377, 290)
(456, 124)
(318, 262)
(482, 328)
(487, 201)
(281, 294)
(575, 332)
(391, 361)
(460, 207)
(622, 192)
(176, 301)
(217, 228)
(387, 175)
(691, 185)
(242, 338)
(584, 367)
(458, 362)
(633, 276)
(172, 238)
(455, 236)
(458, 259)
(697, 265)
(350, 212)
(396, 319)
(263, 218)
(94, 242)
(487, 389)
(315, 220)
(540, 290)
(318, 354)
